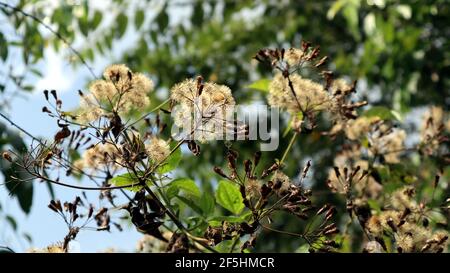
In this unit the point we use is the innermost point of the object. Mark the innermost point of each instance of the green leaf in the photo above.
(127, 179)
(260, 85)
(190, 203)
(229, 197)
(217, 220)
(22, 190)
(198, 14)
(3, 47)
(122, 23)
(382, 112)
(207, 204)
(96, 20)
(162, 19)
(28, 237)
(185, 185)
(11, 221)
(373, 204)
(171, 163)
(139, 19)
(83, 25)
(303, 249)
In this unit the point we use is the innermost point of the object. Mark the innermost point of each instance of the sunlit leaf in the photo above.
(229, 197)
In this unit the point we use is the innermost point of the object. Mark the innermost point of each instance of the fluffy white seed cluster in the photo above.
(388, 142)
(204, 109)
(294, 56)
(158, 150)
(120, 91)
(99, 157)
(308, 96)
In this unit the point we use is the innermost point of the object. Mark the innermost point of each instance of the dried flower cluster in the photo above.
(304, 98)
(205, 109)
(120, 92)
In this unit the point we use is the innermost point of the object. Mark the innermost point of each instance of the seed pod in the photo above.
(436, 181)
(328, 227)
(256, 158)
(321, 61)
(331, 243)
(220, 172)
(271, 169)
(248, 168)
(442, 240)
(331, 231)
(265, 191)
(7, 156)
(391, 224)
(323, 209)
(231, 162)
(330, 213)
(336, 171)
(46, 94)
(53, 92)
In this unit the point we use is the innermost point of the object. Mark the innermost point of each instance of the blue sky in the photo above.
(44, 226)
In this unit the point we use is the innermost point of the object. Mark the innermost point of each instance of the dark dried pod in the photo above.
(323, 209)
(270, 170)
(436, 181)
(91, 211)
(331, 243)
(321, 61)
(442, 240)
(331, 231)
(53, 206)
(305, 45)
(62, 134)
(391, 224)
(194, 147)
(257, 158)
(7, 156)
(265, 191)
(53, 92)
(330, 213)
(425, 247)
(220, 172)
(337, 172)
(246, 228)
(248, 168)
(46, 94)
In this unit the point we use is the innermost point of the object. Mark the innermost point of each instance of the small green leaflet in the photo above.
(127, 179)
(382, 112)
(186, 186)
(171, 163)
(260, 85)
(229, 197)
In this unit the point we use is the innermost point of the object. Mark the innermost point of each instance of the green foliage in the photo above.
(128, 179)
(382, 112)
(184, 186)
(229, 197)
(171, 163)
(260, 85)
